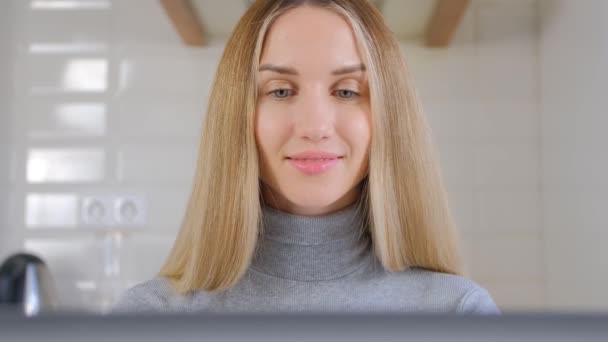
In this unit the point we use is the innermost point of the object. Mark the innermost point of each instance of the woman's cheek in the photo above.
(270, 129)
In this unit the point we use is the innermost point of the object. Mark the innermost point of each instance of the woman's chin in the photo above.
(314, 203)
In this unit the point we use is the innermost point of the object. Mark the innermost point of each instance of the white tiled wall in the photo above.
(574, 55)
(481, 96)
(125, 100)
(6, 93)
(105, 107)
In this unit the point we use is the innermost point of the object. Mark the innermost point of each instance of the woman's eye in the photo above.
(347, 94)
(281, 93)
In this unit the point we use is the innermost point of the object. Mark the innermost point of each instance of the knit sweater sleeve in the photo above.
(478, 301)
(156, 295)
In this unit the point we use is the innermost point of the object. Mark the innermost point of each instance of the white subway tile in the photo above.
(577, 159)
(75, 5)
(580, 251)
(516, 6)
(457, 165)
(576, 268)
(167, 206)
(502, 165)
(4, 210)
(57, 74)
(5, 162)
(152, 24)
(52, 119)
(509, 211)
(507, 51)
(507, 256)
(65, 165)
(467, 252)
(77, 258)
(206, 59)
(149, 72)
(144, 256)
(11, 221)
(68, 27)
(507, 121)
(508, 74)
(444, 74)
(562, 156)
(463, 209)
(479, 120)
(576, 296)
(51, 210)
(572, 210)
(506, 20)
(452, 120)
(142, 163)
(178, 117)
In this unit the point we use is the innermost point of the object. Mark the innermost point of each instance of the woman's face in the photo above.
(313, 113)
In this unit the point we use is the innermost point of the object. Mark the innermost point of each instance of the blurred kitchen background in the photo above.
(102, 102)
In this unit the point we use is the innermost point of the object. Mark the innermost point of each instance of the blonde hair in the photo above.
(406, 206)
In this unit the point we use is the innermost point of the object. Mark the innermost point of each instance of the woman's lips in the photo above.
(314, 166)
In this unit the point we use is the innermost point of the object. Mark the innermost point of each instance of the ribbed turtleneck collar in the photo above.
(312, 248)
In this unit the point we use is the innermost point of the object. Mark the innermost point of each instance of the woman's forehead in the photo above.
(309, 35)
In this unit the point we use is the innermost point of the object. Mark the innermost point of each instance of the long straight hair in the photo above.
(407, 213)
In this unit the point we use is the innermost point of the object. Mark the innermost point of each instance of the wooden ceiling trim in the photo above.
(186, 22)
(445, 21)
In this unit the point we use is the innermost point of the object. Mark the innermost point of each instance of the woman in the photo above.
(316, 187)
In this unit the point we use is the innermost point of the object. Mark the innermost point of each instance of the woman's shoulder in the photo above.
(460, 294)
(154, 295)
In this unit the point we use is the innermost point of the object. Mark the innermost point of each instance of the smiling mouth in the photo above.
(314, 166)
(313, 159)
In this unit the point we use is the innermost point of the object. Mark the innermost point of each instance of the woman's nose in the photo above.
(315, 117)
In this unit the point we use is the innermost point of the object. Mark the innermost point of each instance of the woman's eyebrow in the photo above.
(348, 69)
(291, 71)
(277, 68)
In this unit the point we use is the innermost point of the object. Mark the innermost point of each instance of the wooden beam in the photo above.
(445, 21)
(186, 22)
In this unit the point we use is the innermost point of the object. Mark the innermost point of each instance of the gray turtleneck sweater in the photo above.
(317, 264)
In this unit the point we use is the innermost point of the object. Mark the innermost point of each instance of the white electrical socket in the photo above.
(130, 210)
(111, 211)
(96, 211)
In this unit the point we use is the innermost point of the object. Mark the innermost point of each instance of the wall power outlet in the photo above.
(113, 210)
